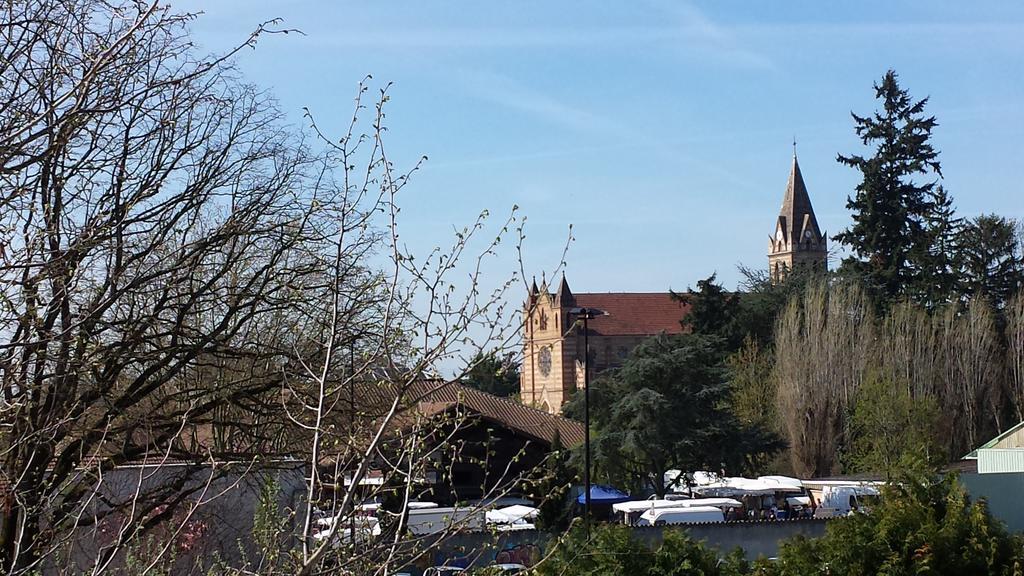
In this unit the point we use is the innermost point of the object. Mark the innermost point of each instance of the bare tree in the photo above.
(184, 280)
(364, 379)
(824, 340)
(1015, 352)
(151, 220)
(975, 357)
(909, 350)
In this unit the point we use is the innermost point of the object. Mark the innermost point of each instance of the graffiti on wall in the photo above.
(444, 558)
(525, 554)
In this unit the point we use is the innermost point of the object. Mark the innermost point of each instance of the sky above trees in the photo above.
(660, 130)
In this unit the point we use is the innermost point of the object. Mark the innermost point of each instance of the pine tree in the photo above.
(494, 373)
(938, 271)
(992, 266)
(890, 232)
(712, 311)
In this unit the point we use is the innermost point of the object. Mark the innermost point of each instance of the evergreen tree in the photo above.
(667, 408)
(748, 313)
(713, 311)
(940, 280)
(890, 236)
(493, 373)
(990, 256)
(554, 514)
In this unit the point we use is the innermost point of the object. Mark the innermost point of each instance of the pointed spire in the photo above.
(797, 214)
(564, 296)
(797, 238)
(531, 298)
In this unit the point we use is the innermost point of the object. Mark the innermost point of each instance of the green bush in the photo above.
(614, 550)
(921, 526)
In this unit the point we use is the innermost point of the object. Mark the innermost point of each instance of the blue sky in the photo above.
(660, 130)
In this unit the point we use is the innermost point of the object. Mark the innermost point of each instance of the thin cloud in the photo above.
(505, 91)
(694, 35)
(708, 39)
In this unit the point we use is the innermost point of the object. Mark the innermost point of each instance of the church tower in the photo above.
(554, 354)
(548, 376)
(797, 240)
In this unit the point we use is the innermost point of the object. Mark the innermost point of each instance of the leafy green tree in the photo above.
(921, 526)
(614, 549)
(553, 491)
(990, 253)
(493, 373)
(754, 396)
(890, 234)
(888, 426)
(667, 408)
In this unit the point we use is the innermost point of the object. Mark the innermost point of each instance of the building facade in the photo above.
(553, 355)
(797, 240)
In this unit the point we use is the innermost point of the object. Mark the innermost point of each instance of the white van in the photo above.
(841, 500)
(692, 515)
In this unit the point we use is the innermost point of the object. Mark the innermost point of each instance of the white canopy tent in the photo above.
(516, 514)
(641, 505)
(762, 486)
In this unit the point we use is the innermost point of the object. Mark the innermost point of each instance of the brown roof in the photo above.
(634, 313)
(523, 419)
(962, 467)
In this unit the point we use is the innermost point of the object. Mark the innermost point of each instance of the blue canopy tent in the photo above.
(603, 495)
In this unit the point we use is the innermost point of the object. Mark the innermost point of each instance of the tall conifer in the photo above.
(889, 236)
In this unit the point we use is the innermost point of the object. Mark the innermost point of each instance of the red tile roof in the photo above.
(634, 313)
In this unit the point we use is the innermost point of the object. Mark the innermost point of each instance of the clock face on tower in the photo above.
(807, 234)
(778, 235)
(544, 361)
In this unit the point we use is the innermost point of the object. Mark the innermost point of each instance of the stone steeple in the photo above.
(797, 240)
(563, 297)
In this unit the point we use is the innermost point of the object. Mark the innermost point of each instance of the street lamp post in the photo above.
(352, 431)
(586, 314)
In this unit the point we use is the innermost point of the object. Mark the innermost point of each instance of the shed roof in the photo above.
(537, 424)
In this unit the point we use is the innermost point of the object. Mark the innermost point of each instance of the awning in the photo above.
(603, 495)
